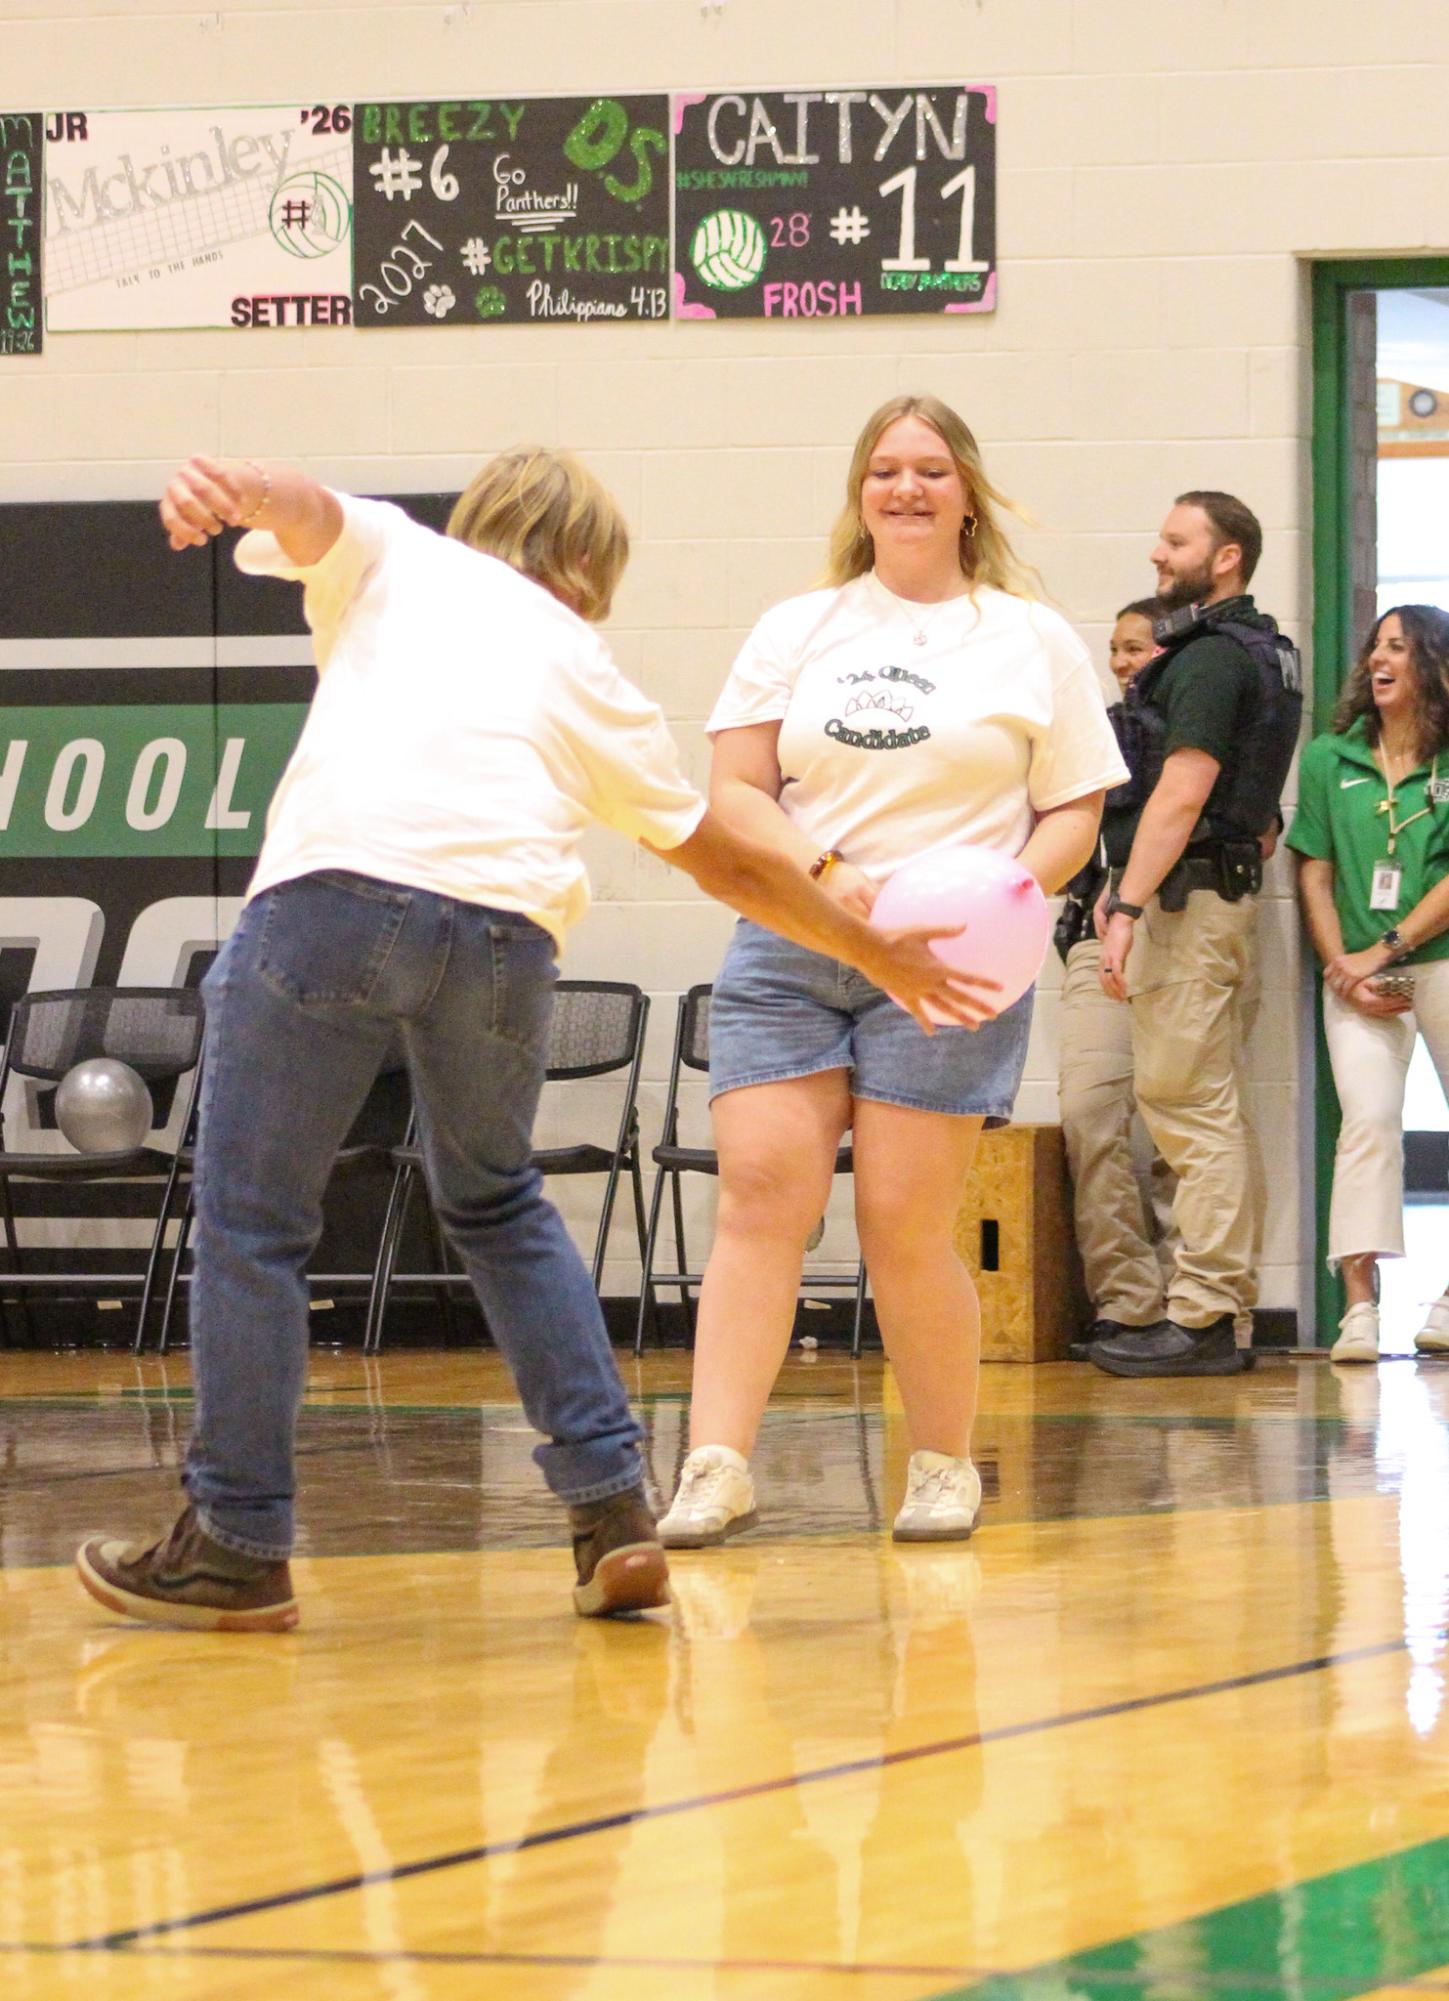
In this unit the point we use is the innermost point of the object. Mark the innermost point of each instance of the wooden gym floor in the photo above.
(1172, 1725)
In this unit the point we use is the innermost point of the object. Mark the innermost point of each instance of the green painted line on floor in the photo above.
(1374, 1924)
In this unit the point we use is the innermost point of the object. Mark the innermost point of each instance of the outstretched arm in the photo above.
(206, 495)
(763, 884)
(744, 790)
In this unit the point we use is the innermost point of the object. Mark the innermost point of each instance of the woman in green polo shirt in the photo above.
(1372, 836)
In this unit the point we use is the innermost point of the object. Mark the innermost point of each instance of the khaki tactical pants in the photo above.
(1187, 976)
(1120, 1235)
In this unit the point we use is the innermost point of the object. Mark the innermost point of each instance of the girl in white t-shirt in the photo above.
(922, 700)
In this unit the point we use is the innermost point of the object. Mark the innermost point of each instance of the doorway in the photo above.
(1381, 497)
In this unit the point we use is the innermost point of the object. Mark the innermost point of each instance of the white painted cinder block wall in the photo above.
(1164, 180)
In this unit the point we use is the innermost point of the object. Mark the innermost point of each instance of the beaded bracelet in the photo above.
(246, 520)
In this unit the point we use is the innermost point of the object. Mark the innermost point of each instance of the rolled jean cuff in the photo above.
(576, 1475)
(240, 1545)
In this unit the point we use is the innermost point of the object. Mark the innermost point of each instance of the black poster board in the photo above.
(807, 204)
(21, 319)
(534, 209)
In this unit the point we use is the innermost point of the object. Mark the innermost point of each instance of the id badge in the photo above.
(1384, 890)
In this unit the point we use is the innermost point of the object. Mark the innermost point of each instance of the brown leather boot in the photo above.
(189, 1580)
(621, 1563)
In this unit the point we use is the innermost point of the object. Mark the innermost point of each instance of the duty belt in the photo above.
(1231, 871)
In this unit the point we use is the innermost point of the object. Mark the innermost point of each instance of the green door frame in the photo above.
(1333, 639)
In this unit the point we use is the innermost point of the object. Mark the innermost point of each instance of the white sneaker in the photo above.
(716, 1498)
(943, 1499)
(1433, 1337)
(1358, 1335)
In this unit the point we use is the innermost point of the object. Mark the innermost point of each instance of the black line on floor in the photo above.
(488, 1851)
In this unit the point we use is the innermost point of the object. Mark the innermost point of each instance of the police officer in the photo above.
(1215, 718)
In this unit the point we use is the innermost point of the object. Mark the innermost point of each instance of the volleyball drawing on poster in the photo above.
(218, 217)
(817, 204)
(532, 209)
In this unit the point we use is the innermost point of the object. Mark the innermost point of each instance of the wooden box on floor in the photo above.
(1014, 1230)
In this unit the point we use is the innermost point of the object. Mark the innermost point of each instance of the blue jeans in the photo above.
(306, 995)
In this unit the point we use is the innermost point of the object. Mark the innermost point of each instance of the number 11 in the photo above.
(906, 258)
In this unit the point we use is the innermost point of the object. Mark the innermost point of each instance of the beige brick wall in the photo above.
(1163, 181)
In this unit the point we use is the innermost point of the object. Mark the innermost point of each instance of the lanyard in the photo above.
(1396, 827)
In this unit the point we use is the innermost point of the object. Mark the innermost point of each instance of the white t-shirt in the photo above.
(890, 748)
(466, 729)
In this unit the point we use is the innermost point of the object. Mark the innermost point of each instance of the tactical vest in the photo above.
(1265, 745)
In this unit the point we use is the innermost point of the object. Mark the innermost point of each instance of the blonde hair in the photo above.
(986, 555)
(544, 514)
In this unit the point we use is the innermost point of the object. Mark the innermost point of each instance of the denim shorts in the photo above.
(780, 1011)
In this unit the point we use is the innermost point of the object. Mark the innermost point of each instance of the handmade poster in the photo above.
(816, 204)
(21, 327)
(532, 209)
(225, 217)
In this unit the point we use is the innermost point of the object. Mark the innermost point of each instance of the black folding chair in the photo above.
(691, 1052)
(598, 1030)
(157, 1031)
(385, 1116)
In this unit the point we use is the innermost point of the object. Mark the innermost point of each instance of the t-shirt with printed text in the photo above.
(890, 748)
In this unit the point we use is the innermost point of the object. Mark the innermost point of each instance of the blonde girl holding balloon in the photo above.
(924, 699)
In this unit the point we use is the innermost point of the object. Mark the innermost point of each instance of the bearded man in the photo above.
(1212, 723)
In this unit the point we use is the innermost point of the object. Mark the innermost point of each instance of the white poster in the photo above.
(233, 216)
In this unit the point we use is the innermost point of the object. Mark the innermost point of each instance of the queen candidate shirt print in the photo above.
(909, 727)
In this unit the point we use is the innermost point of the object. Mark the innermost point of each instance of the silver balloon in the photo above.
(102, 1106)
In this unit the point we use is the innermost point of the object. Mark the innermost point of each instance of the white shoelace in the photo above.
(933, 1483)
(700, 1484)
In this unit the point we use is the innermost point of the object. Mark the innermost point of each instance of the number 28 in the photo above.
(790, 232)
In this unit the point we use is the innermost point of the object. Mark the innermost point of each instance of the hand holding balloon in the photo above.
(909, 967)
(991, 922)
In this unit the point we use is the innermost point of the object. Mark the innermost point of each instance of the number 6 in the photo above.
(444, 185)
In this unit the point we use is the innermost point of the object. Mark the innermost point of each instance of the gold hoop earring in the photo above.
(968, 527)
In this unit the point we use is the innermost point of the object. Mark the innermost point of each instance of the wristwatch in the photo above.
(1395, 942)
(1117, 908)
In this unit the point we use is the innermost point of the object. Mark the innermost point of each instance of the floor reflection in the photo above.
(383, 1472)
(1192, 1663)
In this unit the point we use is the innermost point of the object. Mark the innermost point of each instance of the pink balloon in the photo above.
(1003, 919)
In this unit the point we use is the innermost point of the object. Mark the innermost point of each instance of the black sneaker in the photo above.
(189, 1580)
(1167, 1349)
(621, 1561)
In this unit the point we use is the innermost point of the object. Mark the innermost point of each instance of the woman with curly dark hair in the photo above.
(1372, 836)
